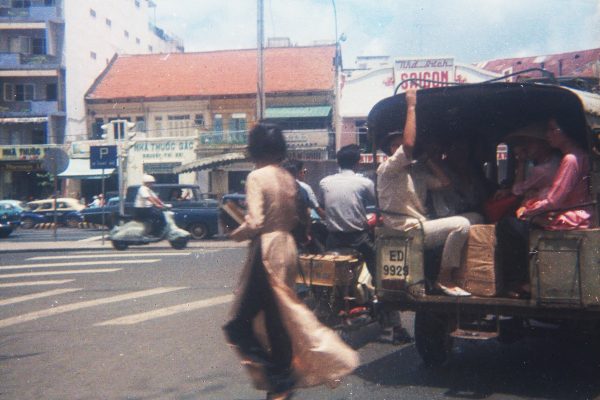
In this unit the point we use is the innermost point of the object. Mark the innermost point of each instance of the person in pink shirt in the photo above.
(567, 201)
(564, 206)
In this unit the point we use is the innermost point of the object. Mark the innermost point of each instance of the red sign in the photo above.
(425, 72)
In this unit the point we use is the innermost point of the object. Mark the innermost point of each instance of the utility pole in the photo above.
(260, 89)
(336, 88)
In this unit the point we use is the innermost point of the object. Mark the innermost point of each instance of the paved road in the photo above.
(144, 324)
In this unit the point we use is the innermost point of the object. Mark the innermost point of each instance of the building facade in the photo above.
(50, 53)
(209, 99)
(377, 77)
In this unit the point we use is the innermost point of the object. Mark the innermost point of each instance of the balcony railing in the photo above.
(28, 61)
(27, 108)
(34, 13)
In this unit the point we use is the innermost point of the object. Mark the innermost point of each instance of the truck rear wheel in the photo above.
(432, 338)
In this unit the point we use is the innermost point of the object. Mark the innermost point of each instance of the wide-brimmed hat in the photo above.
(535, 130)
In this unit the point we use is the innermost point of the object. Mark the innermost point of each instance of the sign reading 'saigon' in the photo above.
(431, 72)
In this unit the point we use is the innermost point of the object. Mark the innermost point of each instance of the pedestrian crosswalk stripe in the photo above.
(34, 296)
(104, 255)
(164, 312)
(67, 272)
(84, 304)
(76, 264)
(36, 283)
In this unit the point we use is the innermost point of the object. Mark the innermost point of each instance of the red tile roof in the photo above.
(218, 73)
(577, 63)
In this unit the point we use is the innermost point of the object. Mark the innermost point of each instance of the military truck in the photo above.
(564, 266)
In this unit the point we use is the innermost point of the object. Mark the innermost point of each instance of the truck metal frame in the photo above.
(564, 266)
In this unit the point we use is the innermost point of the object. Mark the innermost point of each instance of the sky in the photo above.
(468, 30)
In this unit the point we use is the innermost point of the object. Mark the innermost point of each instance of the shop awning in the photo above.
(297, 112)
(24, 120)
(210, 162)
(79, 168)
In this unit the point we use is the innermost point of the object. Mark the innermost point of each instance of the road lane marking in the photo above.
(104, 255)
(76, 264)
(84, 304)
(36, 283)
(34, 296)
(67, 272)
(167, 311)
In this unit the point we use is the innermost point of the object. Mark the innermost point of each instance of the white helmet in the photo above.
(148, 179)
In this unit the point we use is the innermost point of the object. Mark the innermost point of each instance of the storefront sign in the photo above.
(22, 153)
(163, 150)
(310, 138)
(434, 72)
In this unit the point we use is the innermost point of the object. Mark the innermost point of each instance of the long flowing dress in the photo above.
(318, 355)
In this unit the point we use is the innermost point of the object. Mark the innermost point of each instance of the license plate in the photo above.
(394, 262)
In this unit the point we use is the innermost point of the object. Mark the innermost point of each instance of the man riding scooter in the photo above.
(148, 207)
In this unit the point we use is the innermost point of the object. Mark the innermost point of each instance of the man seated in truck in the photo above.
(402, 185)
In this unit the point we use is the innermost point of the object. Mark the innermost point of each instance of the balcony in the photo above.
(34, 13)
(16, 109)
(20, 61)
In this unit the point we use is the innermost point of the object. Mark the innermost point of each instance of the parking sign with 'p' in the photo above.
(102, 157)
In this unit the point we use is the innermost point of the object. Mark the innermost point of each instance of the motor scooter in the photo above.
(134, 233)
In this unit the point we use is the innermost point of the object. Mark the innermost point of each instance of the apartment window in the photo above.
(49, 3)
(178, 117)
(93, 55)
(108, 22)
(179, 125)
(38, 46)
(21, 3)
(218, 123)
(157, 125)
(140, 124)
(18, 92)
(126, 33)
(19, 44)
(97, 131)
(137, 40)
(150, 49)
(92, 13)
(137, 3)
(199, 120)
(237, 122)
(362, 137)
(51, 92)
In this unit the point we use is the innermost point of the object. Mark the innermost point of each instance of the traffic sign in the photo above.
(55, 160)
(102, 157)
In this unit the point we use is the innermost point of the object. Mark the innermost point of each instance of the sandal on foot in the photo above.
(453, 291)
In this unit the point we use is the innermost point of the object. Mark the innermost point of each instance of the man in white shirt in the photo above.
(402, 187)
(147, 206)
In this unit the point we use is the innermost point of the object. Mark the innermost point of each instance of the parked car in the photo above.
(67, 212)
(105, 215)
(194, 211)
(10, 217)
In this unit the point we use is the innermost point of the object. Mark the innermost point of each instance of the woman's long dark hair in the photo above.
(266, 143)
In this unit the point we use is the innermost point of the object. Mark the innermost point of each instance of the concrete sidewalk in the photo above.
(95, 243)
